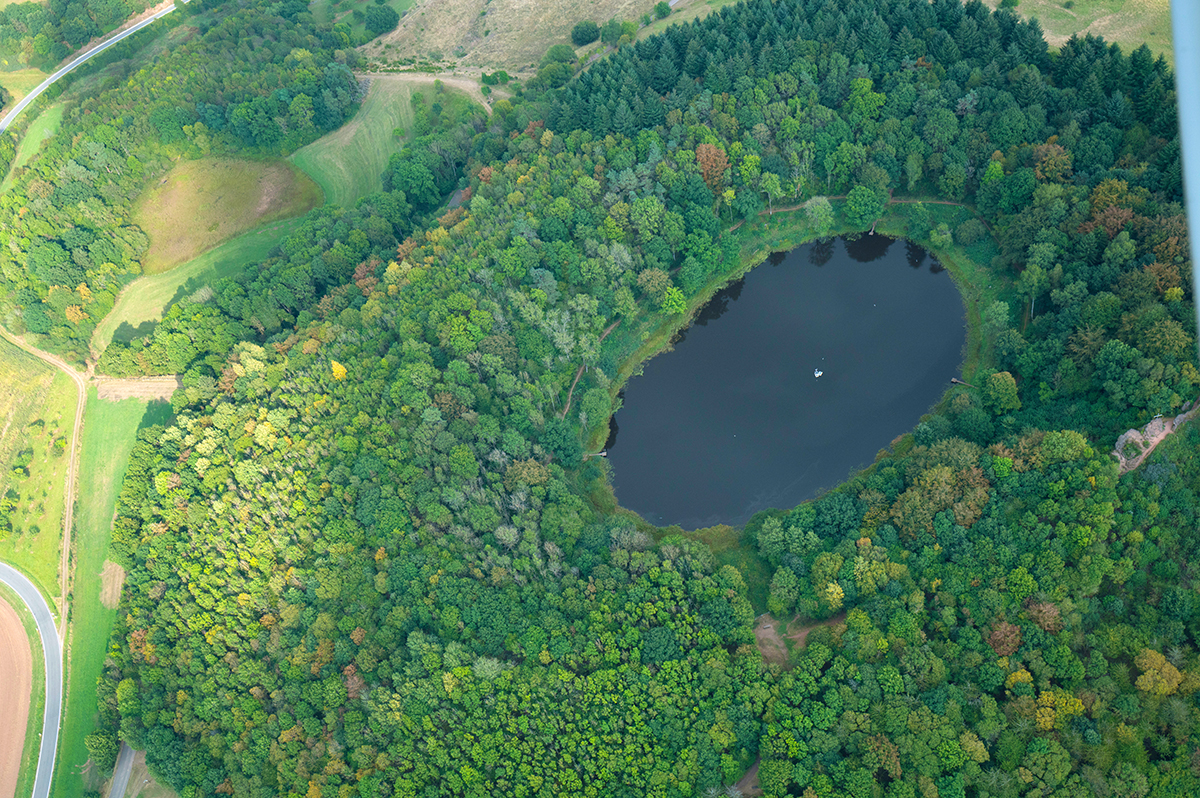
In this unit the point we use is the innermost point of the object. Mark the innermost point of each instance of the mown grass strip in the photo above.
(109, 432)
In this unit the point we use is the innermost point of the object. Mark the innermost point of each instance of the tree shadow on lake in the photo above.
(719, 304)
(820, 252)
(915, 254)
(867, 248)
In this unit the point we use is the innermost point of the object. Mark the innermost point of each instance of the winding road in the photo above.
(53, 659)
(74, 62)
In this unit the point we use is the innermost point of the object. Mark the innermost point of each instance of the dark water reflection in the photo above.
(733, 421)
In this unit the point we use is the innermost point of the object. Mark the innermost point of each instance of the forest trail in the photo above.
(1149, 437)
(748, 784)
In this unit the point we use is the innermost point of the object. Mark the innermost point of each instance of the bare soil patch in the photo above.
(16, 676)
(768, 637)
(111, 580)
(1132, 448)
(142, 783)
(115, 389)
(748, 784)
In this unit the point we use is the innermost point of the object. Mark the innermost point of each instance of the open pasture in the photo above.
(493, 34)
(203, 203)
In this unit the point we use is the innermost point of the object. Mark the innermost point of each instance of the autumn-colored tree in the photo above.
(713, 164)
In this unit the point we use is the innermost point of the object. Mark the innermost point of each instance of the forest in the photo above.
(366, 557)
(40, 34)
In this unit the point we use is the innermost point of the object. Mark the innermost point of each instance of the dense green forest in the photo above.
(249, 82)
(42, 34)
(366, 558)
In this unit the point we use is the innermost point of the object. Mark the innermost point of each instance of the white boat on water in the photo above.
(817, 372)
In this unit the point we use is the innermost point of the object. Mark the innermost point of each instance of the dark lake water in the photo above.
(733, 421)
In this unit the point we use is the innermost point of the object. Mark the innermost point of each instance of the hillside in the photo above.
(494, 34)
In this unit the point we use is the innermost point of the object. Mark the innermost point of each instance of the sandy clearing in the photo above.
(111, 580)
(142, 783)
(1147, 438)
(16, 674)
(115, 389)
(770, 642)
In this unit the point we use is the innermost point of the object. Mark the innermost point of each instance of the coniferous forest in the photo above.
(366, 556)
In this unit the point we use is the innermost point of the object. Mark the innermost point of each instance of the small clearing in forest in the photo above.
(770, 642)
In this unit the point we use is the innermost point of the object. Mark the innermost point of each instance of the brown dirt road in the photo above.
(115, 389)
(16, 676)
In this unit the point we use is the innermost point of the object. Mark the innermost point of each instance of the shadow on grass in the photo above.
(157, 413)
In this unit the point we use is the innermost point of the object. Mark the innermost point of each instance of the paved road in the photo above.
(52, 655)
(48, 82)
(120, 779)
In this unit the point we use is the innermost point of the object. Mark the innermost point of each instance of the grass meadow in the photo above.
(45, 126)
(1129, 23)
(37, 699)
(31, 391)
(203, 203)
(147, 298)
(683, 13)
(352, 12)
(349, 162)
(20, 82)
(109, 432)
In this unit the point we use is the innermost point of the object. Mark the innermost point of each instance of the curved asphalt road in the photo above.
(45, 84)
(52, 656)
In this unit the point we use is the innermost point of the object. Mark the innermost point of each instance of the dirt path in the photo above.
(579, 373)
(466, 85)
(16, 679)
(1148, 437)
(748, 784)
(800, 635)
(80, 381)
(115, 389)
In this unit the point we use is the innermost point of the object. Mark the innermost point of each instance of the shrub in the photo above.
(585, 32)
(559, 54)
(381, 19)
(969, 232)
(662, 9)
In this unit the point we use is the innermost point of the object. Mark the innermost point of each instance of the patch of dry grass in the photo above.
(20, 82)
(200, 204)
(493, 34)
